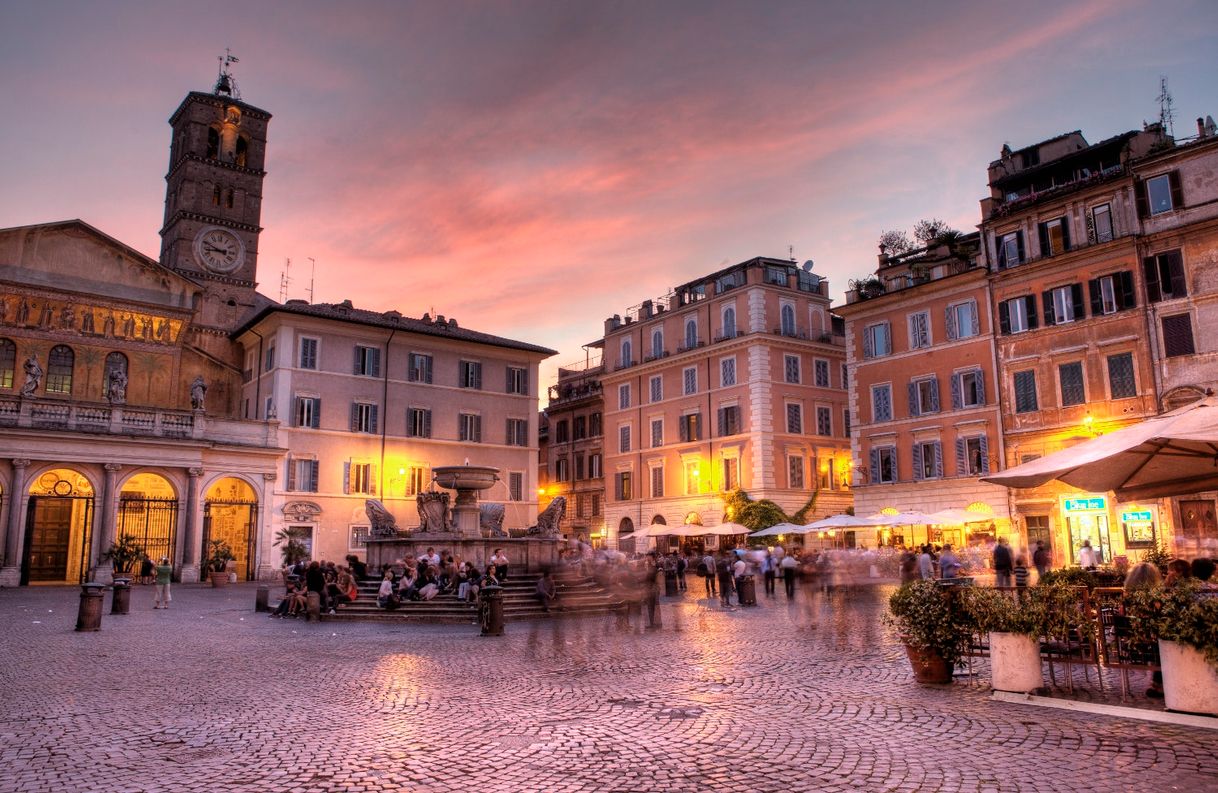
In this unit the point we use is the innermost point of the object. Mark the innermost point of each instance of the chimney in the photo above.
(1200, 127)
(645, 308)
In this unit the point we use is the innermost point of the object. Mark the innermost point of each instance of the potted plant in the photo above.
(123, 553)
(217, 561)
(1185, 623)
(292, 548)
(933, 627)
(1015, 625)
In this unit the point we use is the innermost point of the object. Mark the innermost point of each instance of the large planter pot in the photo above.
(928, 666)
(1190, 683)
(219, 580)
(1015, 663)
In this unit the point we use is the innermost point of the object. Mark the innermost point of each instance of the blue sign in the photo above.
(1097, 504)
(1136, 515)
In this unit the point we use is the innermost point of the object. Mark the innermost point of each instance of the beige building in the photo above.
(734, 380)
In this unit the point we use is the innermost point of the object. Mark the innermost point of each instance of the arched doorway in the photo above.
(625, 542)
(58, 528)
(148, 514)
(230, 515)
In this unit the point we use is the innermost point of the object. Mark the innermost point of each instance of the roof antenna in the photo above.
(284, 280)
(791, 252)
(226, 84)
(1166, 114)
(312, 273)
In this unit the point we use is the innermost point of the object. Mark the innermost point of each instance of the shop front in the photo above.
(1087, 521)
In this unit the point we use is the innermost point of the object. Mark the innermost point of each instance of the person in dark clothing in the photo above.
(315, 581)
(1003, 563)
(723, 568)
(1040, 560)
(358, 568)
(682, 566)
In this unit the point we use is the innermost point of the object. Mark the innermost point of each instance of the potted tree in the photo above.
(1185, 623)
(217, 562)
(293, 550)
(933, 627)
(1015, 625)
(123, 553)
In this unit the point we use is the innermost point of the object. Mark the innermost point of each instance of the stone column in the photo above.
(190, 547)
(10, 573)
(104, 528)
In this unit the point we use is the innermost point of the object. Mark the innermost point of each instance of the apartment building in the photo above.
(733, 380)
(370, 402)
(572, 451)
(924, 390)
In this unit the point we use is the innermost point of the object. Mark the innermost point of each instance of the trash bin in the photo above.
(90, 614)
(748, 591)
(313, 610)
(490, 610)
(670, 583)
(262, 599)
(120, 601)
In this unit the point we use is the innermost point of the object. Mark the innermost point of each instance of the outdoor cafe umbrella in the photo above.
(1172, 454)
(958, 517)
(781, 528)
(842, 521)
(725, 529)
(901, 519)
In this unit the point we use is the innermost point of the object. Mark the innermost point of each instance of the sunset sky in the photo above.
(532, 168)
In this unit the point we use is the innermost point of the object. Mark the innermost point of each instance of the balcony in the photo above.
(792, 333)
(617, 367)
(728, 336)
(655, 357)
(686, 346)
(123, 420)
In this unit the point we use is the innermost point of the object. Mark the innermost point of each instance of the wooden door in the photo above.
(1197, 521)
(49, 534)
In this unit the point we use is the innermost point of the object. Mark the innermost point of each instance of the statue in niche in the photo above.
(46, 315)
(382, 522)
(116, 387)
(33, 376)
(128, 327)
(198, 392)
(23, 312)
(162, 330)
(108, 324)
(547, 521)
(86, 322)
(67, 317)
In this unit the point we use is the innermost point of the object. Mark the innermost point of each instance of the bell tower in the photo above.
(213, 199)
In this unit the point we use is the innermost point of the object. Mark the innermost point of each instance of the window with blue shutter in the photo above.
(1025, 392)
(1071, 377)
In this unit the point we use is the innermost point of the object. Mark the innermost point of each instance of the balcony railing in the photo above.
(624, 365)
(686, 346)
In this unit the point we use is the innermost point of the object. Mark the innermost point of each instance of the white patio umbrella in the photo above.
(908, 518)
(725, 529)
(958, 517)
(842, 521)
(780, 528)
(1172, 454)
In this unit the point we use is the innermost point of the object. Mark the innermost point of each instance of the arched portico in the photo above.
(230, 516)
(58, 536)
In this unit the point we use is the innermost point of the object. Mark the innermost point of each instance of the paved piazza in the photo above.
(210, 696)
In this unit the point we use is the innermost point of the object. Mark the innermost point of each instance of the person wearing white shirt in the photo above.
(1086, 556)
(789, 568)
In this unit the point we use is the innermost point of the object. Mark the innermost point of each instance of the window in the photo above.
(516, 486)
(627, 354)
(919, 330)
(308, 353)
(726, 282)
(367, 361)
(581, 505)
(883, 465)
(1101, 223)
(594, 425)
(924, 396)
(116, 363)
(268, 406)
(657, 433)
(1121, 384)
(1177, 335)
(795, 418)
(846, 421)
(1025, 392)
(845, 377)
(470, 427)
(561, 434)
(691, 333)
(1071, 377)
(821, 369)
(8, 362)
(968, 389)
(268, 363)
(623, 396)
(657, 343)
(416, 480)
(580, 427)
(517, 432)
(775, 275)
(972, 456)
(788, 319)
(418, 423)
(623, 438)
(363, 417)
(1163, 193)
(1010, 249)
(594, 466)
(470, 373)
(517, 380)
(1112, 293)
(727, 372)
(731, 473)
(729, 420)
(691, 427)
(217, 194)
(596, 505)
(656, 385)
(657, 482)
(729, 323)
(1054, 237)
(962, 320)
(881, 403)
(1017, 314)
(824, 421)
(358, 538)
(359, 479)
(795, 472)
(308, 412)
(59, 369)
(877, 340)
(1063, 304)
(580, 468)
(213, 143)
(691, 478)
(790, 368)
(562, 470)
(302, 475)
(825, 473)
(928, 460)
(420, 368)
(1164, 276)
(622, 486)
(689, 379)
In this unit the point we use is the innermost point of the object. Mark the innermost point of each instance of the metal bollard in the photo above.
(313, 609)
(262, 599)
(90, 614)
(120, 601)
(491, 610)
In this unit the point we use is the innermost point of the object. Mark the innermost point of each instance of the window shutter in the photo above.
(1030, 302)
(1178, 335)
(477, 429)
(1125, 295)
(426, 423)
(980, 377)
(508, 435)
(917, 461)
(1139, 191)
(950, 316)
(427, 369)
(1004, 318)
(875, 466)
(314, 471)
(1076, 296)
(1150, 269)
(1177, 190)
(354, 417)
(1042, 230)
(1001, 251)
(868, 351)
(913, 400)
(957, 397)
(373, 410)
(722, 422)
(372, 480)
(478, 376)
(1023, 256)
(291, 474)
(938, 447)
(934, 395)
(1046, 299)
(961, 457)
(347, 477)
(376, 362)
(985, 454)
(972, 315)
(355, 364)
(1066, 233)
(1175, 267)
(1097, 297)
(316, 422)
(896, 470)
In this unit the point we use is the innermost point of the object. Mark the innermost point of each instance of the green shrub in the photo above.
(929, 618)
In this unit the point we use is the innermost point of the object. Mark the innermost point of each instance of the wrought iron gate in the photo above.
(151, 522)
(235, 522)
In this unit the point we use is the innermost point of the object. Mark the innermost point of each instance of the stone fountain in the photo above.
(468, 481)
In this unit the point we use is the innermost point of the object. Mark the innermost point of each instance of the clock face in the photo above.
(219, 250)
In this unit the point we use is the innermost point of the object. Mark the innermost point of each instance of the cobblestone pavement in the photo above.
(811, 697)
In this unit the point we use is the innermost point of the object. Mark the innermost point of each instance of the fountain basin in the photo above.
(465, 477)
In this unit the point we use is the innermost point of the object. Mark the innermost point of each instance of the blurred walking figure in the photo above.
(790, 567)
(1040, 559)
(164, 572)
(1003, 563)
(769, 571)
(723, 568)
(706, 569)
